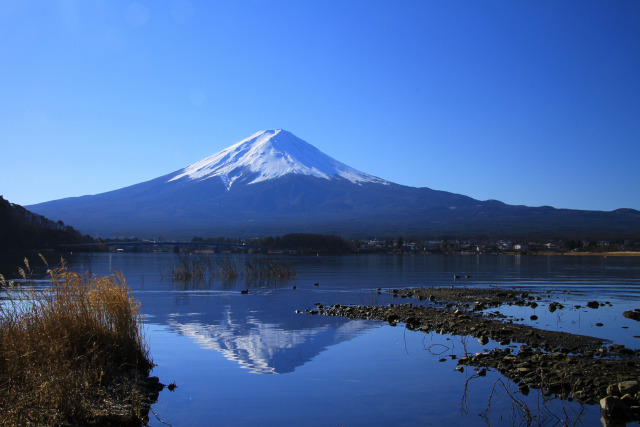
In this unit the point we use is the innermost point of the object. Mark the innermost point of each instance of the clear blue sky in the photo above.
(529, 102)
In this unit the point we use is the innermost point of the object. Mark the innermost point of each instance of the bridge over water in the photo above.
(146, 246)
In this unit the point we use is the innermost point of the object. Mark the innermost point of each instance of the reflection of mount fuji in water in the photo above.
(260, 331)
(267, 348)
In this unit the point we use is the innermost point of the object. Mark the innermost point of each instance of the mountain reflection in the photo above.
(260, 331)
(268, 348)
(257, 329)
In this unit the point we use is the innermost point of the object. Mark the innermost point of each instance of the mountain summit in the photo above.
(271, 154)
(275, 183)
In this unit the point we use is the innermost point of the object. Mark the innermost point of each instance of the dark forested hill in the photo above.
(22, 229)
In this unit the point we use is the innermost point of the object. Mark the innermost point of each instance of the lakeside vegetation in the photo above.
(73, 353)
(199, 268)
(307, 242)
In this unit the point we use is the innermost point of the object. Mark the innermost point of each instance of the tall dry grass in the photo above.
(266, 268)
(227, 269)
(71, 353)
(192, 268)
(200, 268)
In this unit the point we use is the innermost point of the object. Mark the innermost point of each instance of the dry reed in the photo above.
(266, 268)
(72, 353)
(200, 269)
(227, 269)
(192, 268)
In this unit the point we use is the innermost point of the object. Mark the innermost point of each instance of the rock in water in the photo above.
(613, 407)
(633, 315)
(628, 387)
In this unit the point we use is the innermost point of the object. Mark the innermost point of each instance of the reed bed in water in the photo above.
(191, 268)
(66, 351)
(266, 268)
(227, 269)
(200, 268)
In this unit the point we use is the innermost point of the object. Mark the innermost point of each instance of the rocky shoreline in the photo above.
(125, 399)
(565, 365)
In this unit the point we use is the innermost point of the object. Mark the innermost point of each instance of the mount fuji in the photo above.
(270, 155)
(275, 183)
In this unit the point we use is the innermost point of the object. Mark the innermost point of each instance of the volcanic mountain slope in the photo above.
(270, 155)
(274, 183)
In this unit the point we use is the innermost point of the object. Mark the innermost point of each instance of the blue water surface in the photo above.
(250, 359)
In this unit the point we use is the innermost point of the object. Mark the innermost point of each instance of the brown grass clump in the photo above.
(73, 353)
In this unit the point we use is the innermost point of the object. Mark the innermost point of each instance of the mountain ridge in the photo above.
(275, 183)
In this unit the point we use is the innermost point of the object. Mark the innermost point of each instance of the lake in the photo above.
(250, 359)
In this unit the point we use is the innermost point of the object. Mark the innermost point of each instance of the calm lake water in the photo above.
(248, 359)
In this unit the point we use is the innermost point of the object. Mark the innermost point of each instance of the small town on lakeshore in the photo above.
(312, 244)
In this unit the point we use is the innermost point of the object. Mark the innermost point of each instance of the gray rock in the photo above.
(613, 407)
(477, 306)
(628, 387)
(633, 315)
(629, 400)
(613, 390)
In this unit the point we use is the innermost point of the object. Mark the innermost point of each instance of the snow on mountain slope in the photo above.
(271, 154)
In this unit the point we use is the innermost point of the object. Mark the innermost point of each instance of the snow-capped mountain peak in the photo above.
(268, 155)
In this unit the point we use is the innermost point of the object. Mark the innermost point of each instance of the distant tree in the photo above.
(388, 243)
(572, 244)
(307, 242)
(400, 243)
(267, 241)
